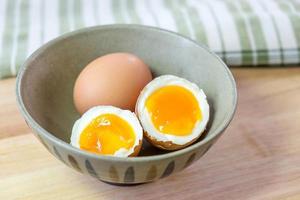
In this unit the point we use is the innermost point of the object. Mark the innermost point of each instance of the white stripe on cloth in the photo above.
(88, 13)
(35, 26)
(269, 32)
(214, 40)
(2, 22)
(231, 36)
(97, 11)
(249, 32)
(188, 23)
(164, 15)
(15, 37)
(289, 39)
(51, 23)
(144, 12)
(152, 11)
(105, 14)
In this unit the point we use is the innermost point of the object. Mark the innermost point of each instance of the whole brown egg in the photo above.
(114, 79)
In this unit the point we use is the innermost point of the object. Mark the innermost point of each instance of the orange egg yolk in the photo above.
(106, 134)
(173, 110)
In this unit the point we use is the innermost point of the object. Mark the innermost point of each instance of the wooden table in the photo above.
(257, 158)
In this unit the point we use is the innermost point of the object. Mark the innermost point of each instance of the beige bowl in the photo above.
(44, 94)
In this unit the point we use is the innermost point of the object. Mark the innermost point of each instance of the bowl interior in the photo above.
(49, 75)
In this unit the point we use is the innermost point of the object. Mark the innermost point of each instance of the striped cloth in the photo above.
(242, 32)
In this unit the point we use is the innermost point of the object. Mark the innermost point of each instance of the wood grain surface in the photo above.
(257, 158)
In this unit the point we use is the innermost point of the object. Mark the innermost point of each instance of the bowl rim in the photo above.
(64, 145)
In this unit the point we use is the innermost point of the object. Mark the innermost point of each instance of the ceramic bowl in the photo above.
(44, 94)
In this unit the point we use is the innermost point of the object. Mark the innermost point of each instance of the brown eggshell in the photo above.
(115, 79)
(136, 150)
(166, 145)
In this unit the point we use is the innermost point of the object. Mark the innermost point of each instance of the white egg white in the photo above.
(96, 111)
(145, 118)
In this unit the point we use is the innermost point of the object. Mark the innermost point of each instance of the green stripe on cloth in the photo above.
(276, 31)
(257, 32)
(117, 12)
(133, 14)
(197, 24)
(23, 34)
(7, 39)
(177, 15)
(78, 14)
(64, 25)
(182, 7)
(242, 32)
(294, 19)
(296, 4)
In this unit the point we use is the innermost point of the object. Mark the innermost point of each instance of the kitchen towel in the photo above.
(242, 32)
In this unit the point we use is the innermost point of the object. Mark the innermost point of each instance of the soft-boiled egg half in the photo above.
(108, 130)
(173, 112)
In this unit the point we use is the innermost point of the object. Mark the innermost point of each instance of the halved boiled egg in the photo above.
(173, 112)
(108, 130)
